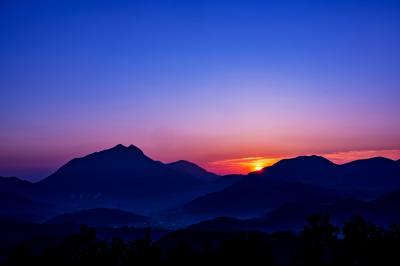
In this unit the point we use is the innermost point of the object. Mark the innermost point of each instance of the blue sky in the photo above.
(200, 80)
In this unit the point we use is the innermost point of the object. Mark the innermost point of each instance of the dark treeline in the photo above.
(356, 242)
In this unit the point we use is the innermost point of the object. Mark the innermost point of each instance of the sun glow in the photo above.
(258, 166)
(245, 165)
(241, 165)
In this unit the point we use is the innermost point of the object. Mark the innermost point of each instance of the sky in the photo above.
(230, 85)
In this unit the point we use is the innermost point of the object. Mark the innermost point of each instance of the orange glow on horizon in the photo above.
(241, 165)
(250, 164)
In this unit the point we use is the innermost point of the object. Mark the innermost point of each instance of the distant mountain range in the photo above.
(304, 179)
(255, 199)
(377, 175)
(292, 216)
(121, 177)
(15, 206)
(124, 178)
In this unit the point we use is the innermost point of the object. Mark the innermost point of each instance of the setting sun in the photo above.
(258, 167)
(241, 165)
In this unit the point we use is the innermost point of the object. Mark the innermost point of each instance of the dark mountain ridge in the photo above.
(120, 177)
(14, 184)
(193, 170)
(15, 206)
(125, 178)
(377, 173)
(273, 186)
(383, 211)
(255, 199)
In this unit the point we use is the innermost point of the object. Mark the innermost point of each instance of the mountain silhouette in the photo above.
(102, 217)
(14, 184)
(15, 206)
(15, 203)
(123, 177)
(193, 170)
(379, 175)
(300, 179)
(216, 182)
(383, 211)
(120, 177)
(306, 169)
(254, 198)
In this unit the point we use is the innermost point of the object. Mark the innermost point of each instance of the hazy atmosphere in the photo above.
(213, 82)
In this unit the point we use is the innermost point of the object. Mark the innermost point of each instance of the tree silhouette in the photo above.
(318, 242)
(360, 242)
(244, 249)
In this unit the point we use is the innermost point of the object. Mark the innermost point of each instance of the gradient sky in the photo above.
(207, 81)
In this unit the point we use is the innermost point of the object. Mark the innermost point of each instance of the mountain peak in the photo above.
(184, 162)
(123, 148)
(312, 157)
(304, 161)
(373, 161)
(134, 148)
(119, 146)
(308, 169)
(122, 175)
